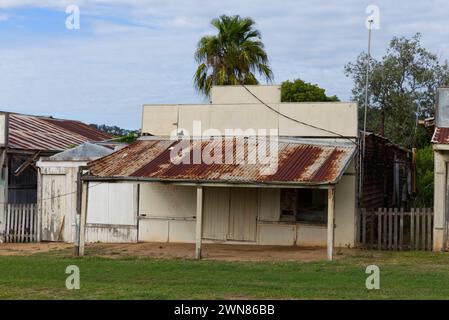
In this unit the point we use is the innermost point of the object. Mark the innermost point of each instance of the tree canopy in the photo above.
(233, 56)
(300, 91)
(401, 89)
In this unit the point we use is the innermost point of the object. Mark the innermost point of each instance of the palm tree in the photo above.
(231, 57)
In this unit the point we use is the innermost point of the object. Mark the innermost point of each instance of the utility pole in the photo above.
(362, 158)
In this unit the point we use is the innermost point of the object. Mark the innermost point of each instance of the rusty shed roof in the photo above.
(28, 132)
(441, 135)
(298, 162)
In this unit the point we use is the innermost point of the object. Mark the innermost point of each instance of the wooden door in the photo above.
(53, 206)
(243, 214)
(216, 213)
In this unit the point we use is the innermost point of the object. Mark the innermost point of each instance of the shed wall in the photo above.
(112, 207)
(167, 214)
(69, 176)
(112, 212)
(441, 160)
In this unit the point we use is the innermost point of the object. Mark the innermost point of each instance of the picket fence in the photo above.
(396, 229)
(21, 222)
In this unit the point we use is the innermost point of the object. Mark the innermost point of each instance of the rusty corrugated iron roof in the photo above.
(43, 133)
(300, 161)
(441, 135)
(80, 128)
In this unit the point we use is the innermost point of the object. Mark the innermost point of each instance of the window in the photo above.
(305, 205)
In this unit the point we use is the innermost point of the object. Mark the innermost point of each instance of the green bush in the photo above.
(424, 177)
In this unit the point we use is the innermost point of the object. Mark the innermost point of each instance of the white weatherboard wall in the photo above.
(167, 214)
(441, 160)
(112, 207)
(3, 175)
(58, 199)
(112, 212)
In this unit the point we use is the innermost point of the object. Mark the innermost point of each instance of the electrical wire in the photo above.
(56, 197)
(296, 120)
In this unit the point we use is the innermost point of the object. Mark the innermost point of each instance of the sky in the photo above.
(130, 52)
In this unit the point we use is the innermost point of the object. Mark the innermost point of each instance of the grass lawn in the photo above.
(404, 275)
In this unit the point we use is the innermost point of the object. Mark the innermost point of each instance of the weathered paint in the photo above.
(110, 233)
(112, 208)
(67, 173)
(112, 204)
(441, 160)
(243, 214)
(169, 213)
(53, 207)
(216, 217)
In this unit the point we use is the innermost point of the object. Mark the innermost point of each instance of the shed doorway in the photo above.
(53, 206)
(230, 214)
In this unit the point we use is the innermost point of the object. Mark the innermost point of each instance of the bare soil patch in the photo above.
(223, 252)
(24, 249)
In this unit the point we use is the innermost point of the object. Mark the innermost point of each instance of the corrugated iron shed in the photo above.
(441, 135)
(298, 162)
(28, 132)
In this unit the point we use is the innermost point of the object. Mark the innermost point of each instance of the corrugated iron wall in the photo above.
(379, 174)
(21, 188)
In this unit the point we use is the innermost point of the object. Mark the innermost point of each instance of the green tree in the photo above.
(231, 57)
(401, 88)
(300, 91)
(424, 177)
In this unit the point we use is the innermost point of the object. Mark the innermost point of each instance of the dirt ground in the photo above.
(225, 252)
(23, 249)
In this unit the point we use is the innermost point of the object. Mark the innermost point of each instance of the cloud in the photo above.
(130, 52)
(4, 17)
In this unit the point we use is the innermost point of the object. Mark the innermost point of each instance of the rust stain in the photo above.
(154, 166)
(42, 133)
(298, 162)
(328, 170)
(441, 135)
(295, 162)
(80, 128)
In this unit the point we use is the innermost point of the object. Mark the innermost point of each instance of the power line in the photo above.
(296, 120)
(58, 196)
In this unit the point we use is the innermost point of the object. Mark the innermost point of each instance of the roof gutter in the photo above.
(216, 183)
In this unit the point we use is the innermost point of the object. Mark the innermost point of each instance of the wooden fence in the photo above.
(395, 229)
(21, 222)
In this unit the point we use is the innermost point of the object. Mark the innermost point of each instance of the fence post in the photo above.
(401, 229)
(385, 228)
(379, 229)
(8, 221)
(412, 229)
(417, 227)
(395, 229)
(390, 229)
(429, 228)
(363, 227)
(371, 234)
